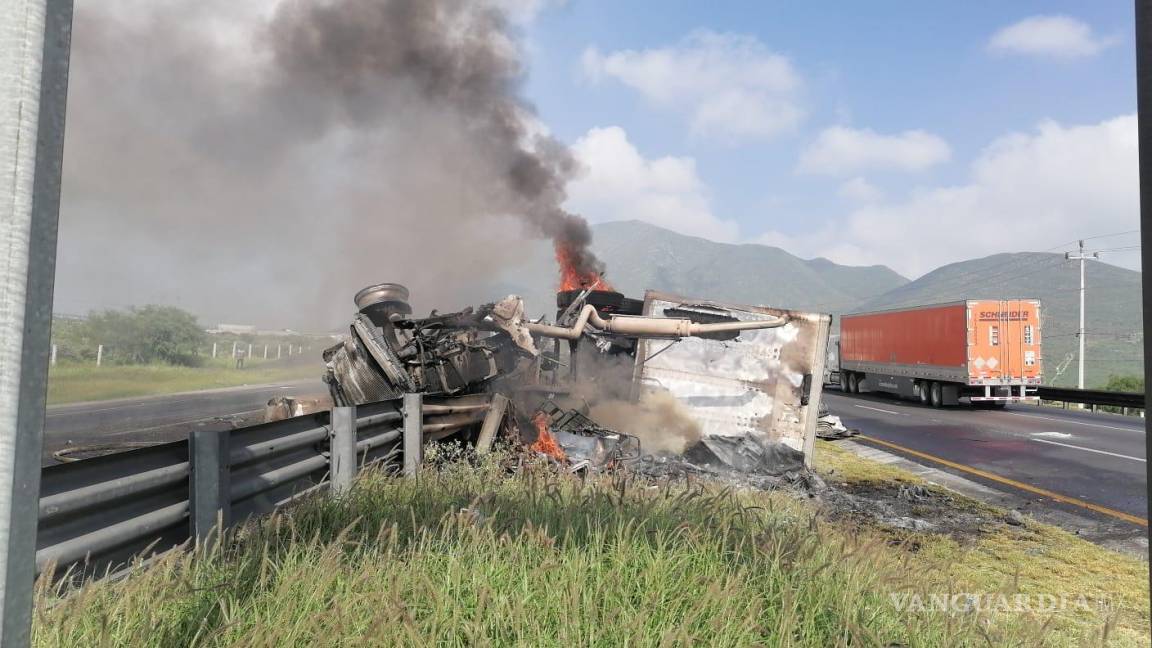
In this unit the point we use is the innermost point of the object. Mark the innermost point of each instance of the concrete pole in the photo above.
(99, 354)
(35, 37)
(54, 350)
(1081, 257)
(1080, 376)
(278, 352)
(249, 356)
(233, 350)
(265, 351)
(213, 350)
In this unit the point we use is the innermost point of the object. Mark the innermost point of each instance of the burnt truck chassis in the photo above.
(742, 372)
(389, 353)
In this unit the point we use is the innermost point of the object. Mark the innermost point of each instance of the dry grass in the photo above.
(1037, 559)
(471, 555)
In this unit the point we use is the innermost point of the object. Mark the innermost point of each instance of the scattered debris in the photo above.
(748, 454)
(829, 426)
(280, 408)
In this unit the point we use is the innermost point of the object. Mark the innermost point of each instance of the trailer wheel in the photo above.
(922, 388)
(845, 384)
(937, 395)
(853, 383)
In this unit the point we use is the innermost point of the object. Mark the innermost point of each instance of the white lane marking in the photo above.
(1074, 422)
(877, 409)
(1076, 447)
(1058, 435)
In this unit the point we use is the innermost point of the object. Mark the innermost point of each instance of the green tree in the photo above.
(1125, 384)
(148, 334)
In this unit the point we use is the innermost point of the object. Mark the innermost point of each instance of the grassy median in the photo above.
(477, 556)
(71, 383)
(1037, 560)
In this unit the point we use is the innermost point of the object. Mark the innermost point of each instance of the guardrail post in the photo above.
(491, 423)
(413, 433)
(210, 495)
(342, 449)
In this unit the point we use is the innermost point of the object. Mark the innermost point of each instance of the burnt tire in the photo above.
(937, 394)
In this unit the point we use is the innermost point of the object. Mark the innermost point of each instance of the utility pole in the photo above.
(1081, 257)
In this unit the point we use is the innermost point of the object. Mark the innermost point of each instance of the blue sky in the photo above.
(880, 68)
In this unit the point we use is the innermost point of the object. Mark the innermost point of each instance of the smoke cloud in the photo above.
(605, 385)
(662, 423)
(260, 162)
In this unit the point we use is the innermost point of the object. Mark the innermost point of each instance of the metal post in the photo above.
(413, 433)
(265, 351)
(342, 449)
(213, 350)
(277, 351)
(233, 350)
(35, 36)
(492, 422)
(99, 354)
(249, 356)
(54, 350)
(210, 490)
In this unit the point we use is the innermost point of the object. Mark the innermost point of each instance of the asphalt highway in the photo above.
(158, 419)
(1098, 459)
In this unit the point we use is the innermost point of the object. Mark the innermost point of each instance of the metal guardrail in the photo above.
(1091, 396)
(100, 513)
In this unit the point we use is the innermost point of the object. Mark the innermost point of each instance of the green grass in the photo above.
(70, 383)
(476, 556)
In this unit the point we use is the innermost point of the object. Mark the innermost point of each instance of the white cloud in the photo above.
(619, 183)
(1027, 191)
(730, 85)
(840, 150)
(1060, 37)
(861, 191)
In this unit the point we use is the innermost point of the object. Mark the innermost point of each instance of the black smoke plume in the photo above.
(260, 162)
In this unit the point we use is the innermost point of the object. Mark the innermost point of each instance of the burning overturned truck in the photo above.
(740, 377)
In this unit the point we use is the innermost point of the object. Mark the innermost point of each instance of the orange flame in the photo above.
(571, 276)
(546, 443)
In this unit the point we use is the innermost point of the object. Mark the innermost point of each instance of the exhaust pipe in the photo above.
(644, 326)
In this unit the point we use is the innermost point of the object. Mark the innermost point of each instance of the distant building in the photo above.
(279, 332)
(234, 328)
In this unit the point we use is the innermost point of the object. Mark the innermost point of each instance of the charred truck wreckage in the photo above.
(739, 379)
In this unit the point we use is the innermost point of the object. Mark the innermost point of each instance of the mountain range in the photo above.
(640, 256)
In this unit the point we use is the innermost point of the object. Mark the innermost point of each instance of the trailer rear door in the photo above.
(1004, 341)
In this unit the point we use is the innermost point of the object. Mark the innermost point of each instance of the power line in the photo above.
(1118, 249)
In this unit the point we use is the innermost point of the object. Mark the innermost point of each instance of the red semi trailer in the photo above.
(987, 351)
